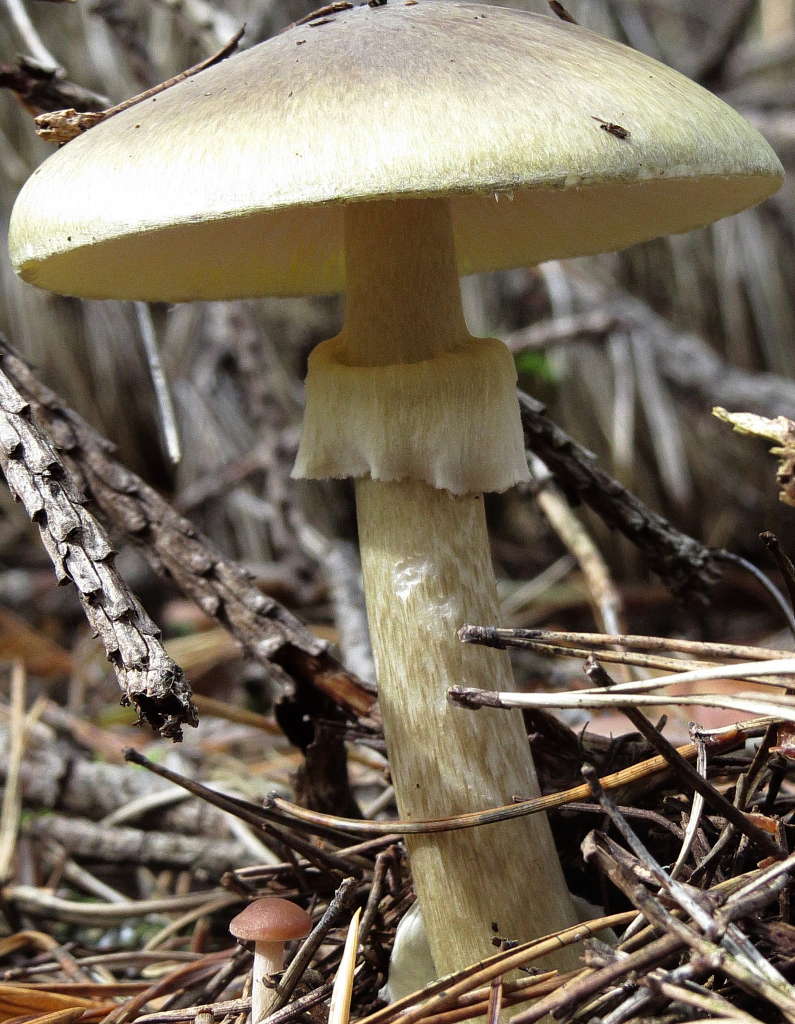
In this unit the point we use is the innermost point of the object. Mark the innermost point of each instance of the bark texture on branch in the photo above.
(124, 845)
(81, 553)
(41, 88)
(268, 632)
(52, 777)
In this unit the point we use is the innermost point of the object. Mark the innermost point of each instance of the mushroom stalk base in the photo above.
(268, 960)
(426, 418)
(427, 570)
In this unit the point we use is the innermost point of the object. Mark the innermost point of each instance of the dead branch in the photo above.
(118, 845)
(685, 565)
(54, 779)
(680, 766)
(41, 88)
(221, 588)
(81, 553)
(62, 126)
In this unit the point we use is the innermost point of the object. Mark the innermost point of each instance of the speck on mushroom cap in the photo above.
(230, 183)
(271, 919)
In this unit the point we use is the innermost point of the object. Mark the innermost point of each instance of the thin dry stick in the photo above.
(62, 126)
(778, 598)
(205, 910)
(645, 997)
(31, 39)
(476, 1003)
(81, 553)
(561, 11)
(497, 637)
(176, 550)
(638, 963)
(733, 954)
(321, 12)
(231, 713)
(689, 775)
(31, 900)
(383, 861)
(701, 999)
(650, 661)
(289, 810)
(126, 1011)
(782, 708)
(705, 673)
(342, 900)
(339, 561)
(680, 894)
(130, 958)
(488, 636)
(729, 957)
(225, 1009)
(692, 825)
(782, 560)
(604, 596)
(160, 385)
(592, 983)
(495, 1001)
(445, 991)
(687, 567)
(254, 815)
(55, 857)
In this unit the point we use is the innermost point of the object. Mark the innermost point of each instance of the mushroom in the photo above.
(269, 923)
(384, 150)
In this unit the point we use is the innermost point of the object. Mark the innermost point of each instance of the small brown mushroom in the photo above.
(268, 923)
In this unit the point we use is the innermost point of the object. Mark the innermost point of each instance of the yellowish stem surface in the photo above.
(427, 570)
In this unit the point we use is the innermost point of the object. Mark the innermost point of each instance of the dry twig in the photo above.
(81, 552)
(61, 126)
(322, 822)
(222, 589)
(685, 565)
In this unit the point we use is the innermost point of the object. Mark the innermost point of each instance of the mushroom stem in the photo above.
(427, 570)
(268, 960)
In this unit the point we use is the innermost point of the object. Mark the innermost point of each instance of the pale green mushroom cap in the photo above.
(230, 184)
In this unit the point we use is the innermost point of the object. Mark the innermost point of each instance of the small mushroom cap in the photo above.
(552, 142)
(271, 920)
